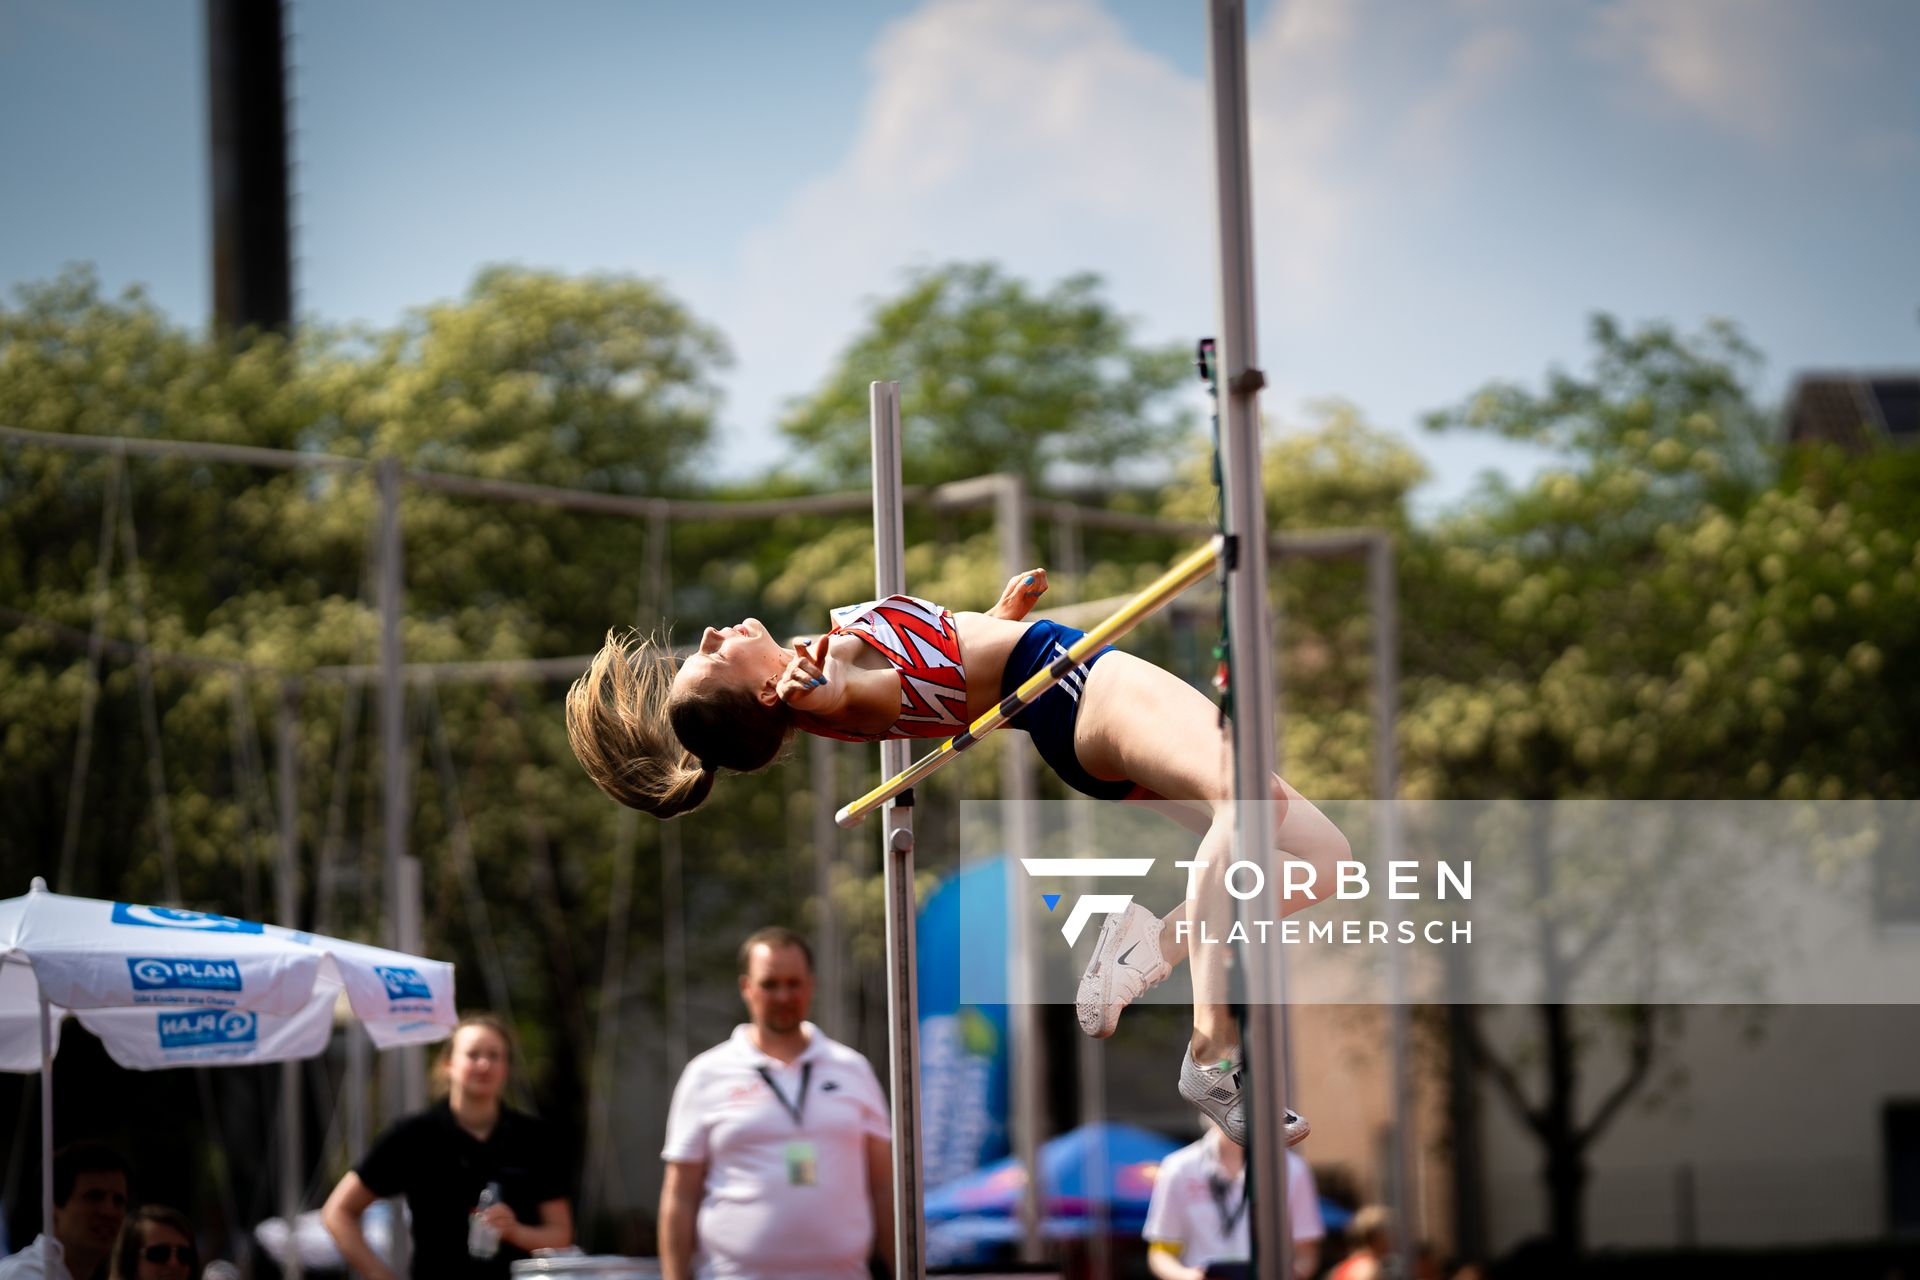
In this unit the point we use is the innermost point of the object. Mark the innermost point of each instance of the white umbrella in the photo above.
(164, 988)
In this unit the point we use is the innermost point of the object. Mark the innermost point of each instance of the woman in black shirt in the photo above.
(445, 1157)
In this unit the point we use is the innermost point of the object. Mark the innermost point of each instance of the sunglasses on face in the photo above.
(161, 1253)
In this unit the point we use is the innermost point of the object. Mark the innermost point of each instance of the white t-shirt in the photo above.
(783, 1198)
(1192, 1204)
(41, 1260)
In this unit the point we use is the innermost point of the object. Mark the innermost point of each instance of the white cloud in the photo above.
(1035, 135)
(1763, 71)
(1042, 137)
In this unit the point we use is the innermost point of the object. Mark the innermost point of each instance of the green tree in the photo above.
(1658, 617)
(1334, 470)
(592, 382)
(598, 382)
(1661, 423)
(997, 377)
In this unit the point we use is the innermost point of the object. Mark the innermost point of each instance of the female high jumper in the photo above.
(1118, 728)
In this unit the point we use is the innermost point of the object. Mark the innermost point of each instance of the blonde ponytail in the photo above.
(632, 735)
(617, 723)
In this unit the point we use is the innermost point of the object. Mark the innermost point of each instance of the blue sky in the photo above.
(1445, 190)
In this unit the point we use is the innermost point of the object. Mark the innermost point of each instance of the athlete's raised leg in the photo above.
(1142, 723)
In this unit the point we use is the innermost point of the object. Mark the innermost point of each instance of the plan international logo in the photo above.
(170, 918)
(403, 984)
(208, 1028)
(183, 973)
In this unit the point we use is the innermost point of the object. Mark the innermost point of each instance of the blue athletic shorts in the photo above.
(1049, 721)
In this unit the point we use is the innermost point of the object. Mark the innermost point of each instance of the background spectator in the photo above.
(90, 1181)
(779, 1153)
(445, 1157)
(1197, 1218)
(156, 1243)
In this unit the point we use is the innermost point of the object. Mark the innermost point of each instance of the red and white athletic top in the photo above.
(922, 643)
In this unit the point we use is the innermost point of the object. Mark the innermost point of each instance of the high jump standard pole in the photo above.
(896, 852)
(1250, 629)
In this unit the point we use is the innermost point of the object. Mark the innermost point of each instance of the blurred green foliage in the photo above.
(996, 377)
(1668, 613)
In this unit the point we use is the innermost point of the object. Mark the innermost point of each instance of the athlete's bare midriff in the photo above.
(985, 645)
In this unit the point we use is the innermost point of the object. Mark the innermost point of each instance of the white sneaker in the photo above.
(1218, 1092)
(1126, 961)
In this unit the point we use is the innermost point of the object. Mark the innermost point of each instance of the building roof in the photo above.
(1857, 411)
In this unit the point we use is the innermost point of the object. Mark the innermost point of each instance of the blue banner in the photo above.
(963, 1048)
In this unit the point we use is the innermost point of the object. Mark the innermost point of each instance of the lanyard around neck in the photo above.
(798, 1107)
(1229, 1218)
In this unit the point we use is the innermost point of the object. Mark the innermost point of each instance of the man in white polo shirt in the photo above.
(1197, 1217)
(779, 1158)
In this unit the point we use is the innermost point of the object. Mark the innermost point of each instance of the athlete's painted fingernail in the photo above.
(1029, 579)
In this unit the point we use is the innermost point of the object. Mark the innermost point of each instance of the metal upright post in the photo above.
(286, 908)
(390, 710)
(896, 837)
(392, 704)
(1027, 1062)
(46, 1112)
(400, 1066)
(400, 872)
(1250, 628)
(413, 1090)
(1382, 587)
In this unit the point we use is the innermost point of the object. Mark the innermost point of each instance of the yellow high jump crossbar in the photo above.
(1196, 565)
